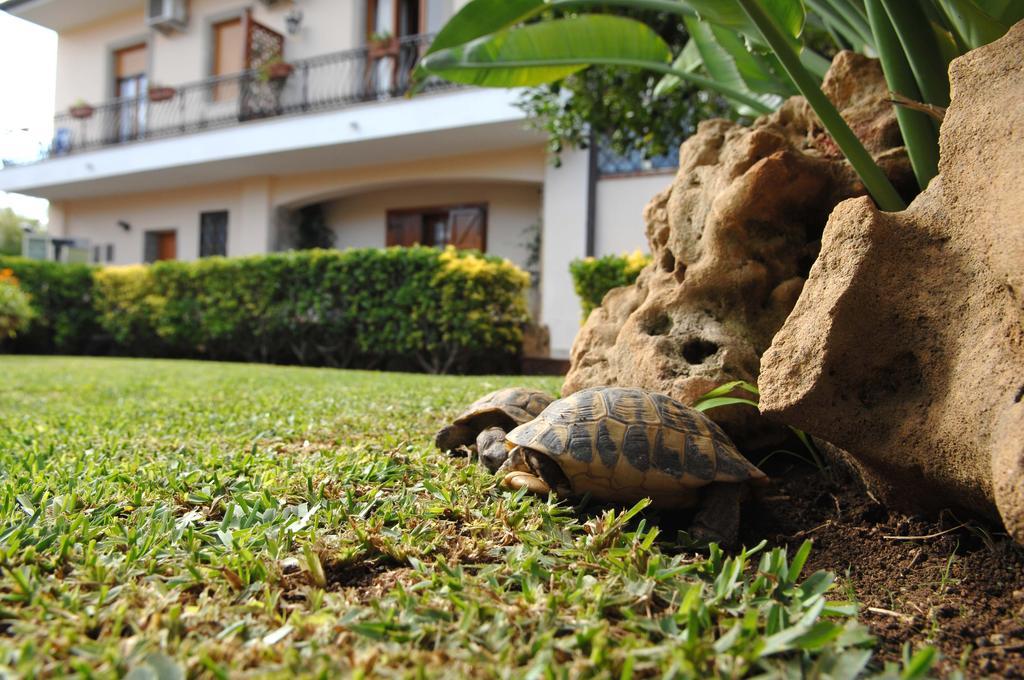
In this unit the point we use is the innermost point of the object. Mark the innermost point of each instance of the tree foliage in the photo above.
(619, 105)
(11, 224)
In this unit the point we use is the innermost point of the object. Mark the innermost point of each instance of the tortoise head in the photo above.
(491, 448)
(534, 471)
(451, 437)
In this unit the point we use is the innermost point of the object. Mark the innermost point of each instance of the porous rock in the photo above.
(732, 240)
(906, 346)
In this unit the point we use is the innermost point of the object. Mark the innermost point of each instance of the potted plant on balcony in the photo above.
(81, 109)
(160, 93)
(275, 70)
(382, 44)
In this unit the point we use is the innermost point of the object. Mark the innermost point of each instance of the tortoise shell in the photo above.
(504, 408)
(622, 444)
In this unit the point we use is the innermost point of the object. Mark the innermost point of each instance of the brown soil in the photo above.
(954, 583)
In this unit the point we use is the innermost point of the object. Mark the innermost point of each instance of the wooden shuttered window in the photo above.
(464, 227)
(404, 229)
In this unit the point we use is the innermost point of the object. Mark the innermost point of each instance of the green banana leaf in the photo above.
(688, 61)
(979, 22)
(549, 50)
(727, 59)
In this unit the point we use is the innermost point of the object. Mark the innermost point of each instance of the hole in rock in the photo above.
(697, 351)
(657, 324)
(680, 272)
(1020, 395)
(668, 261)
(662, 238)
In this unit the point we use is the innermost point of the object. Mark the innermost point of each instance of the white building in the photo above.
(181, 134)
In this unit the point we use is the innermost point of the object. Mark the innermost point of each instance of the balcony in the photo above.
(323, 83)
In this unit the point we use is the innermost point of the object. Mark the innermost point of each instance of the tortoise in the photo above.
(484, 423)
(621, 444)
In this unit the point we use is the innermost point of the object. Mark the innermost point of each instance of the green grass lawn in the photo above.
(162, 518)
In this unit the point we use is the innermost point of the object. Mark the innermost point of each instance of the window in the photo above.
(213, 233)
(463, 226)
(130, 87)
(397, 18)
(110, 252)
(95, 253)
(161, 245)
(228, 56)
(389, 61)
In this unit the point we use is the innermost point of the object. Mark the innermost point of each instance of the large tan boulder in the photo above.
(732, 241)
(906, 346)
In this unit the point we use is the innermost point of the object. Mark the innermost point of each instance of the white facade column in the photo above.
(56, 224)
(563, 239)
(252, 231)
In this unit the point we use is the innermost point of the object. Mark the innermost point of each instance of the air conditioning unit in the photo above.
(167, 15)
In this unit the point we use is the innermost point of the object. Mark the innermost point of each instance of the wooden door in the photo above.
(130, 86)
(161, 245)
(167, 246)
(228, 56)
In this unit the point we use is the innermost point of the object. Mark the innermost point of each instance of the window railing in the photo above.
(320, 83)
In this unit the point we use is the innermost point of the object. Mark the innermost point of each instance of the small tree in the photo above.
(11, 231)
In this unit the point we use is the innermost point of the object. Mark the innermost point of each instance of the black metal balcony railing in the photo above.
(321, 83)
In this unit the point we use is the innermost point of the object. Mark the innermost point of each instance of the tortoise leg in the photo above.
(718, 519)
(525, 480)
(490, 446)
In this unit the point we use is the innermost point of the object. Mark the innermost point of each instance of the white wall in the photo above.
(97, 219)
(360, 220)
(83, 53)
(619, 229)
(564, 232)
(620, 206)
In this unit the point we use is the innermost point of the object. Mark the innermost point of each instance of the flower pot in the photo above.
(81, 111)
(279, 70)
(160, 94)
(387, 47)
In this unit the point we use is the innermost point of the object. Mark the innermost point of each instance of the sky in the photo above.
(28, 64)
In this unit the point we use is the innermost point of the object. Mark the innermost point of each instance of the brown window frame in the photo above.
(434, 209)
(371, 18)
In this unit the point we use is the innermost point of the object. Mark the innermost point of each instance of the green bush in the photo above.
(61, 297)
(406, 307)
(593, 277)
(15, 310)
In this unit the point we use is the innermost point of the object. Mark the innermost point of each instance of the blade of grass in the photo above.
(876, 182)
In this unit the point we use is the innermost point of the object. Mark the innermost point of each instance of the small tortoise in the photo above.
(487, 419)
(621, 445)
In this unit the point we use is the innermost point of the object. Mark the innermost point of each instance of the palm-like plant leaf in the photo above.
(550, 50)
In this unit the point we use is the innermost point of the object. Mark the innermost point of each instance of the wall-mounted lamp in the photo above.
(293, 21)
(124, 225)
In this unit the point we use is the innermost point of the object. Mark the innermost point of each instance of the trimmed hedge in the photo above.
(594, 277)
(390, 308)
(15, 309)
(61, 297)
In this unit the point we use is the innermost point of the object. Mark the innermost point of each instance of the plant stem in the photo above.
(877, 184)
(922, 52)
(919, 134)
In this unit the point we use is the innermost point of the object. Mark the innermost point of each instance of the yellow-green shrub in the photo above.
(395, 307)
(593, 277)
